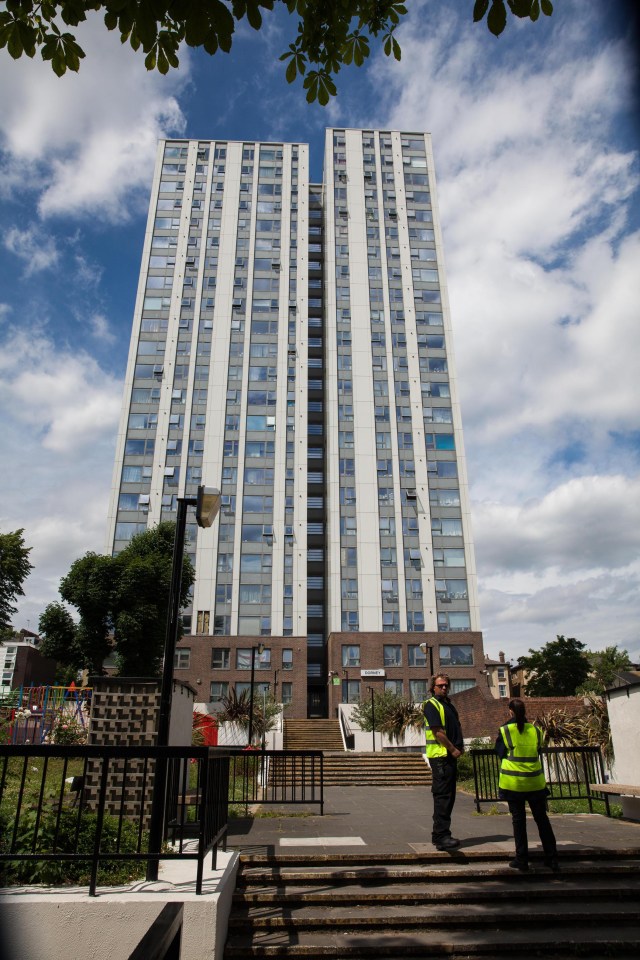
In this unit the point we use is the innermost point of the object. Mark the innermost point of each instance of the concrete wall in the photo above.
(624, 709)
(363, 742)
(67, 924)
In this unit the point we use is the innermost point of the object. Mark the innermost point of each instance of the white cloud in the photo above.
(573, 528)
(86, 142)
(60, 412)
(101, 328)
(34, 247)
(534, 192)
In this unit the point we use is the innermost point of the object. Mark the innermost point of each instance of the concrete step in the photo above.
(457, 906)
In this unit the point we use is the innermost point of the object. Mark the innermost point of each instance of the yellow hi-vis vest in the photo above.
(434, 749)
(521, 770)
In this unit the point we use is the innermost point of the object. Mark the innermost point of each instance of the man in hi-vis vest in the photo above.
(444, 745)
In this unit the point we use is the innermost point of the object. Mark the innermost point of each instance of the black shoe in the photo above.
(552, 864)
(447, 843)
(520, 865)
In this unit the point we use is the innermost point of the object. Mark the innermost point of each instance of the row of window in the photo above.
(449, 655)
(221, 657)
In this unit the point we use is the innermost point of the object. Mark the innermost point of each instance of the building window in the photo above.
(203, 621)
(457, 686)
(218, 690)
(350, 691)
(262, 661)
(417, 657)
(220, 658)
(287, 692)
(287, 659)
(502, 690)
(395, 686)
(350, 656)
(417, 691)
(182, 658)
(459, 655)
(392, 655)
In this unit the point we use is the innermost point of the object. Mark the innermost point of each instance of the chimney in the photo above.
(501, 656)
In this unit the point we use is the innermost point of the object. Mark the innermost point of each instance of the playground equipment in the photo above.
(37, 710)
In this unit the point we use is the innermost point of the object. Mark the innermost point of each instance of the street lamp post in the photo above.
(259, 649)
(373, 718)
(424, 647)
(207, 504)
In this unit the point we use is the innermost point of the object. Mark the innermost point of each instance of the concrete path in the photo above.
(386, 820)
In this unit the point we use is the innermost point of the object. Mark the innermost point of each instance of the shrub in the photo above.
(66, 731)
(61, 873)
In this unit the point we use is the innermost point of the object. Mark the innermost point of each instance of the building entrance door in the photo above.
(316, 702)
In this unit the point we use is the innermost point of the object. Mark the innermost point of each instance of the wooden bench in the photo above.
(616, 789)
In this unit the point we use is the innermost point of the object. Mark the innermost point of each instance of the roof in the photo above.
(625, 679)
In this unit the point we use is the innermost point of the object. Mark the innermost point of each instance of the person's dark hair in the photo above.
(438, 676)
(518, 712)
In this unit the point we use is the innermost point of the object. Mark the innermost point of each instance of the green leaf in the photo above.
(547, 7)
(163, 63)
(151, 59)
(291, 71)
(479, 9)
(387, 45)
(497, 19)
(535, 10)
(197, 26)
(58, 63)
(110, 20)
(397, 52)
(14, 45)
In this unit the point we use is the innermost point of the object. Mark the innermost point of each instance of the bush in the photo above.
(68, 732)
(61, 873)
(465, 762)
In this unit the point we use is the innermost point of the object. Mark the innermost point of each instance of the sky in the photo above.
(537, 146)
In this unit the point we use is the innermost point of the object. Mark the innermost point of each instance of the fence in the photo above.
(276, 777)
(568, 771)
(81, 813)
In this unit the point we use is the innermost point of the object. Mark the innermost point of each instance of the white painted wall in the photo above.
(364, 741)
(624, 711)
(68, 924)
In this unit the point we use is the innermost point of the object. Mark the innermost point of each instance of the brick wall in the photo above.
(372, 657)
(481, 715)
(200, 673)
(124, 712)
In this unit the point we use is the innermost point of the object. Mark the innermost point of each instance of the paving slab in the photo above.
(391, 820)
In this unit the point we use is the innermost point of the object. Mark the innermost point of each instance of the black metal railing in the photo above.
(80, 813)
(569, 771)
(276, 777)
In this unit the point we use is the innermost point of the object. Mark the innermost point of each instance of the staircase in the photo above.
(312, 735)
(384, 769)
(436, 905)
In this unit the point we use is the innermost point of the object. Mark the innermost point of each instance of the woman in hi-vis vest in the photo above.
(522, 781)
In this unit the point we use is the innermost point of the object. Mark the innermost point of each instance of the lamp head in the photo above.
(208, 506)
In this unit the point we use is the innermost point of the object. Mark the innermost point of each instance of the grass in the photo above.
(555, 806)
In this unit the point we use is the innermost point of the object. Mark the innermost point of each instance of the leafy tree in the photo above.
(59, 640)
(605, 664)
(330, 33)
(14, 570)
(122, 602)
(393, 714)
(140, 597)
(558, 669)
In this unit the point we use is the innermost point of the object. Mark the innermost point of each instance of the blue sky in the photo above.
(536, 143)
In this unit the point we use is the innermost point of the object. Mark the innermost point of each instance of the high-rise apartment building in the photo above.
(292, 346)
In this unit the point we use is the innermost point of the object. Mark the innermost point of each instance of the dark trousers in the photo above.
(443, 788)
(538, 805)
